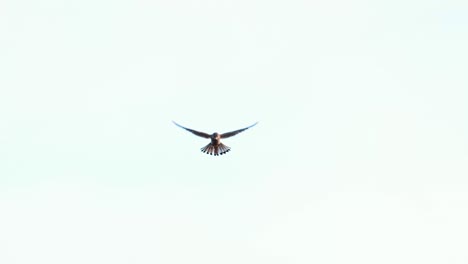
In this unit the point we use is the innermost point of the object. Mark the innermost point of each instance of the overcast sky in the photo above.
(360, 154)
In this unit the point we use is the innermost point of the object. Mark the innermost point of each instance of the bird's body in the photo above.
(215, 138)
(215, 147)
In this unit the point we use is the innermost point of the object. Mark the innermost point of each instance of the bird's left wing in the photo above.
(233, 133)
(198, 133)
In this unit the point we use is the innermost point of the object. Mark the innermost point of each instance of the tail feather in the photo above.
(211, 149)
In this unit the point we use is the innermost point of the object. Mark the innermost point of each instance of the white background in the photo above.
(360, 155)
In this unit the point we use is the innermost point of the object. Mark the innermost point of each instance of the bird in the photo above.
(215, 147)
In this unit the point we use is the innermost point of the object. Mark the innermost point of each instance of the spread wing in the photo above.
(198, 133)
(233, 133)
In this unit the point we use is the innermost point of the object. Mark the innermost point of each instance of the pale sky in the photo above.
(360, 155)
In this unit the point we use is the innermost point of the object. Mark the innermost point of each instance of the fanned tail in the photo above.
(211, 149)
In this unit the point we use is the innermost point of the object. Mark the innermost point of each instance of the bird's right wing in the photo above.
(198, 133)
(233, 133)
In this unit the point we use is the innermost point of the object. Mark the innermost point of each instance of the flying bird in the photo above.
(215, 147)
